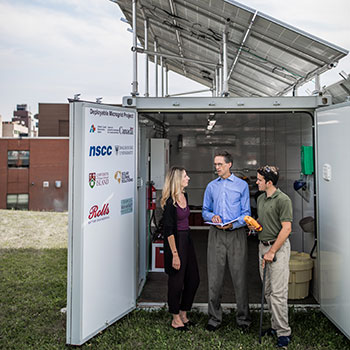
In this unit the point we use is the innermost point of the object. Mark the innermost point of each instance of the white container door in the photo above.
(102, 218)
(333, 202)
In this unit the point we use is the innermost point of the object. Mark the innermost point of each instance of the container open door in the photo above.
(333, 211)
(102, 218)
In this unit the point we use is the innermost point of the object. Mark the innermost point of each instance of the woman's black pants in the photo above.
(183, 284)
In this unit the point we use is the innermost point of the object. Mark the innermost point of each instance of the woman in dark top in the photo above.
(180, 260)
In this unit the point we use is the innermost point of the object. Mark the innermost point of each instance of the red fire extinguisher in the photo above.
(152, 196)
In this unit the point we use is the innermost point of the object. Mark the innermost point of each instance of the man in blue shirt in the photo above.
(225, 199)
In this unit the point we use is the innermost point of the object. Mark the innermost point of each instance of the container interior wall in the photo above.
(253, 139)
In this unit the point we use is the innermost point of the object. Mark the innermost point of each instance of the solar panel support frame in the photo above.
(176, 57)
(224, 53)
(146, 59)
(134, 54)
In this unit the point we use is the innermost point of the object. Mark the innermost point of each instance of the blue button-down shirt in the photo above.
(228, 198)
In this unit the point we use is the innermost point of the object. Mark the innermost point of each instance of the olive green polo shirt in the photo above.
(272, 211)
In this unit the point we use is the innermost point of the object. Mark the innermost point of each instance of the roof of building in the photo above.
(266, 57)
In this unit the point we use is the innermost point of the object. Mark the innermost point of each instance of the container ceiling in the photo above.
(266, 57)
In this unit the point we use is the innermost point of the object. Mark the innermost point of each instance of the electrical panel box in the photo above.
(159, 161)
(307, 160)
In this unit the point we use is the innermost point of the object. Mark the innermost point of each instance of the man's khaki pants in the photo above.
(276, 287)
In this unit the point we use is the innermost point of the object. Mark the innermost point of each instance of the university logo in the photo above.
(96, 151)
(92, 180)
(124, 150)
(98, 179)
(93, 128)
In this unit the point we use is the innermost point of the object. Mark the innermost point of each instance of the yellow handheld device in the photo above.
(252, 222)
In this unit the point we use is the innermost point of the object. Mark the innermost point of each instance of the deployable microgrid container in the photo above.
(249, 62)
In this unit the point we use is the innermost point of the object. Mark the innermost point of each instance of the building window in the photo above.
(17, 201)
(18, 159)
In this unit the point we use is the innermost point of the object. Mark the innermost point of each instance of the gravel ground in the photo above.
(33, 229)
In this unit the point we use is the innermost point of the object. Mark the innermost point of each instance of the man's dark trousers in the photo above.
(231, 247)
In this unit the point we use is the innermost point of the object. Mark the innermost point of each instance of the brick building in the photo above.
(34, 173)
(53, 119)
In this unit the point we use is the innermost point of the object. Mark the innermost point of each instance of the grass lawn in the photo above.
(33, 291)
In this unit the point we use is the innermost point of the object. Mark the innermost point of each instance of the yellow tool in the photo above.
(252, 222)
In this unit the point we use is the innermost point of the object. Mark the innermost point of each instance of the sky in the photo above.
(53, 49)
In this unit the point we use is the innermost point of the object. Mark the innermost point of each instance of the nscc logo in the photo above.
(96, 151)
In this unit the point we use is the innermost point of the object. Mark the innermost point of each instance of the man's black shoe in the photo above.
(244, 328)
(269, 332)
(283, 341)
(211, 328)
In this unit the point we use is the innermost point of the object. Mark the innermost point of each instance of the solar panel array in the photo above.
(266, 57)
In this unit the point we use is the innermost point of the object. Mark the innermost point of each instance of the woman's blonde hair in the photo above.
(172, 185)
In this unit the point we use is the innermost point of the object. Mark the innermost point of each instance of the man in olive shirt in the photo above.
(275, 216)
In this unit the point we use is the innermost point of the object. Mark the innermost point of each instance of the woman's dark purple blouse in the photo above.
(182, 218)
